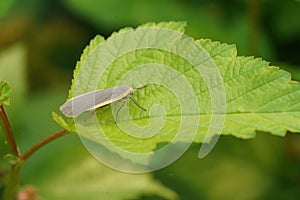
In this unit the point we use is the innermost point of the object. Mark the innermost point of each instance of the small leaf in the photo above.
(60, 121)
(4, 93)
(12, 159)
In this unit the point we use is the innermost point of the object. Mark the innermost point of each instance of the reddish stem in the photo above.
(41, 143)
(9, 136)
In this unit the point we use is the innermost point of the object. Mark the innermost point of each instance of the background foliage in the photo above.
(40, 42)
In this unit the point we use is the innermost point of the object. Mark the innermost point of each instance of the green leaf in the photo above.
(191, 81)
(4, 93)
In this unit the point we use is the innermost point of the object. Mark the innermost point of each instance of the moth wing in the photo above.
(93, 100)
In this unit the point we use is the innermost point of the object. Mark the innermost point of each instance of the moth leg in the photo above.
(137, 104)
(117, 114)
(140, 87)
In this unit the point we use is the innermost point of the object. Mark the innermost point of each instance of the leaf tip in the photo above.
(5, 91)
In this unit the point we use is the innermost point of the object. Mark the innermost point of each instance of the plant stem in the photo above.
(13, 178)
(9, 136)
(13, 181)
(41, 143)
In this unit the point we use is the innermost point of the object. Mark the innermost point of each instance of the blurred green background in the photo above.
(40, 42)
